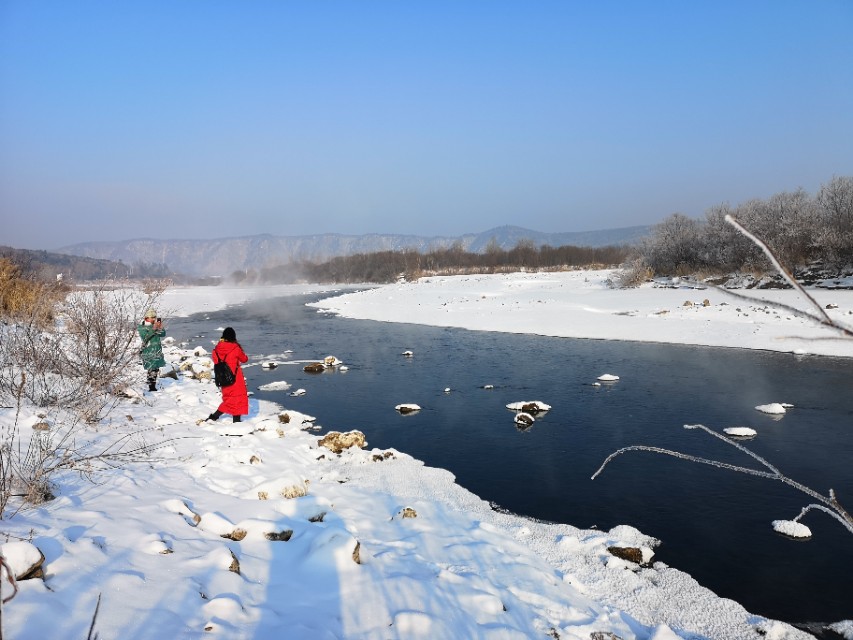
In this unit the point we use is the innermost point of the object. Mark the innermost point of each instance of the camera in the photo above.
(159, 319)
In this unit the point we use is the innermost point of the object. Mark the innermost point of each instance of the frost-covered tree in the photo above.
(835, 219)
(674, 245)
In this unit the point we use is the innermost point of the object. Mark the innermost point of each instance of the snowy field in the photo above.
(256, 531)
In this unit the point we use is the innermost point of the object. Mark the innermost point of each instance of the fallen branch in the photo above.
(829, 504)
(822, 316)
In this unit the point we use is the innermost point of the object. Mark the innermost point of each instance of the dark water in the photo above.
(713, 524)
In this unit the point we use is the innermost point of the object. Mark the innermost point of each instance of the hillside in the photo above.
(222, 256)
(47, 266)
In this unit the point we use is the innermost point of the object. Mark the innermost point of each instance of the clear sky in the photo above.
(201, 119)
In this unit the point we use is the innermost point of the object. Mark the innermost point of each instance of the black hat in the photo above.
(229, 335)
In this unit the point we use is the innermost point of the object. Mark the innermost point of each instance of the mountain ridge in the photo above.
(222, 256)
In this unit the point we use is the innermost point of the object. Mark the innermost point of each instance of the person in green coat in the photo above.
(151, 330)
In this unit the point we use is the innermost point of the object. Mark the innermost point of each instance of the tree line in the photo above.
(802, 231)
(410, 264)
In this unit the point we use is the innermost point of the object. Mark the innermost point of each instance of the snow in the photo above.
(844, 629)
(252, 530)
(580, 304)
(278, 385)
(607, 377)
(774, 408)
(792, 529)
(741, 432)
(533, 406)
(407, 407)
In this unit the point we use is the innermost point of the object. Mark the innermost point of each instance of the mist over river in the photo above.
(713, 524)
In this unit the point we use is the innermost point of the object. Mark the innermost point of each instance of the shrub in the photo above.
(70, 359)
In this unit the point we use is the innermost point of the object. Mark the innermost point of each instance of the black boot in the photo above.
(213, 417)
(152, 387)
(235, 419)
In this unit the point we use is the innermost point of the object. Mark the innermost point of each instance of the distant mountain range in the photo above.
(223, 256)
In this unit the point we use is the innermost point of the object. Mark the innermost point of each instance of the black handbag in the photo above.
(222, 374)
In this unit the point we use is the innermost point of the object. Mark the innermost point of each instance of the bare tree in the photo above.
(835, 212)
(674, 246)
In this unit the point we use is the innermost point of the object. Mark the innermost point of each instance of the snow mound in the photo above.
(524, 419)
(843, 628)
(279, 385)
(774, 408)
(741, 432)
(407, 408)
(608, 377)
(530, 406)
(20, 556)
(792, 529)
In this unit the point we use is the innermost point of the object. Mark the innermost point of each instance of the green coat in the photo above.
(152, 352)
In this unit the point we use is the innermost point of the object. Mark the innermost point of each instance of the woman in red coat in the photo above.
(235, 398)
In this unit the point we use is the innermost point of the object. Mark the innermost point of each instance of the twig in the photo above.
(93, 635)
(10, 576)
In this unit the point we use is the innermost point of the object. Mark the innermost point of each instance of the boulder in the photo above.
(25, 560)
(314, 367)
(524, 419)
(279, 536)
(336, 441)
(407, 408)
(631, 554)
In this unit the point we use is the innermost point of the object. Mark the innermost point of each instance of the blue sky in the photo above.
(201, 119)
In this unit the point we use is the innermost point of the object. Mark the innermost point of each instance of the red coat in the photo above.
(235, 398)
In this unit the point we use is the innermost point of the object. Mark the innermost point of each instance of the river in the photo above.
(714, 524)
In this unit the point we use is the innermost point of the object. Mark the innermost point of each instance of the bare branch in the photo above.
(822, 317)
(831, 503)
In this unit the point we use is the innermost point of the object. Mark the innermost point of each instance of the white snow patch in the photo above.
(532, 406)
(740, 432)
(844, 628)
(774, 408)
(407, 408)
(279, 385)
(792, 529)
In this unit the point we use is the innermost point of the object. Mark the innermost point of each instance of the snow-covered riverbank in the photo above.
(579, 304)
(148, 538)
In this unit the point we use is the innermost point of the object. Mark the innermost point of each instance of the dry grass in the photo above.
(24, 298)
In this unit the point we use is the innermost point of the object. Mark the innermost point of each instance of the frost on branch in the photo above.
(828, 504)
